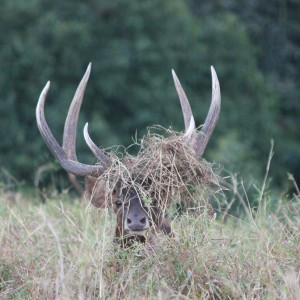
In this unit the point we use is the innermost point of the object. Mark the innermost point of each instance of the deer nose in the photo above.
(136, 223)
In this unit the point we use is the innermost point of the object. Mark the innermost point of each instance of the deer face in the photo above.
(127, 199)
(131, 212)
(134, 216)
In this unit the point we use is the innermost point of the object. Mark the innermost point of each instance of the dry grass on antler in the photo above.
(165, 168)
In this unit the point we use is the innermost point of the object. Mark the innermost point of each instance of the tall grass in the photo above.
(60, 250)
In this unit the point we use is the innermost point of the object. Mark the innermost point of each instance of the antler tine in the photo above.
(70, 129)
(71, 166)
(212, 116)
(189, 122)
(98, 153)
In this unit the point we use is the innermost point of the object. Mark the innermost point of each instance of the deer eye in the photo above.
(118, 203)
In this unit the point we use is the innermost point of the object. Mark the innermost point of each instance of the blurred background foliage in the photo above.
(133, 45)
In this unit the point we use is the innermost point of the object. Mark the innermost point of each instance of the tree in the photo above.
(133, 46)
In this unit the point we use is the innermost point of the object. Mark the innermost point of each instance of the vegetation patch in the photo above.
(66, 251)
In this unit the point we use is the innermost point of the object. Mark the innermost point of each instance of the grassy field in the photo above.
(63, 250)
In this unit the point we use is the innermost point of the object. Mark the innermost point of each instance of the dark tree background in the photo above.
(133, 45)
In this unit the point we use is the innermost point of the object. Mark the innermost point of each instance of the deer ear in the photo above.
(95, 192)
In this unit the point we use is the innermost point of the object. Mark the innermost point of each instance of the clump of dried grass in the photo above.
(165, 169)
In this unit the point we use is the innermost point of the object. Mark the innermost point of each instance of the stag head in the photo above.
(134, 217)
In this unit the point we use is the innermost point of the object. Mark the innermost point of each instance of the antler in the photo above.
(66, 155)
(189, 122)
(98, 153)
(201, 138)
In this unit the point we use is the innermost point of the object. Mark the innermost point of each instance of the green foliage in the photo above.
(273, 27)
(278, 39)
(133, 45)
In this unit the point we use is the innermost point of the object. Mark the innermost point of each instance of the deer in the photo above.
(133, 217)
